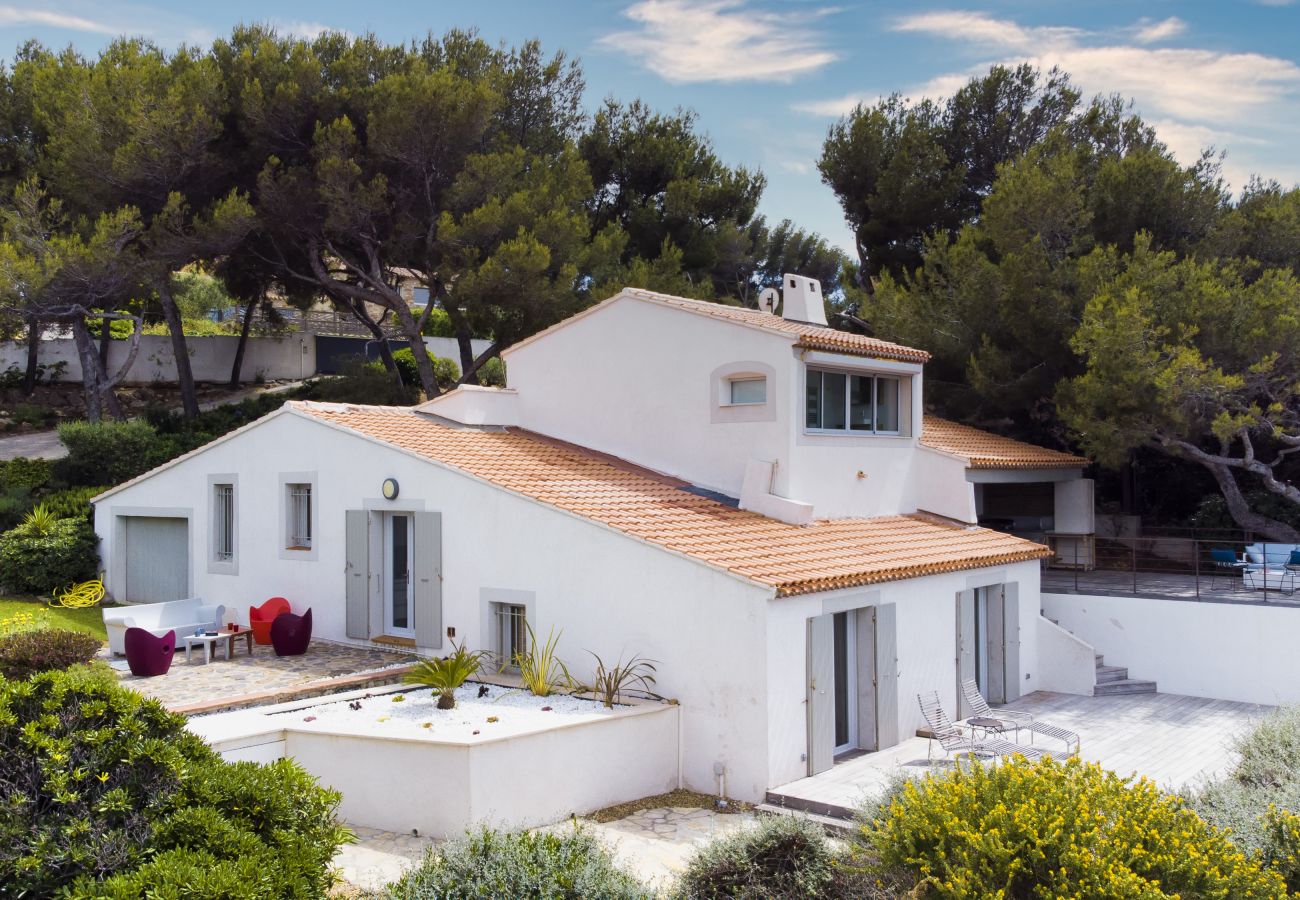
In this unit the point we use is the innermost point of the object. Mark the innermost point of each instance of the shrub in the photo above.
(23, 473)
(14, 504)
(1052, 829)
(552, 865)
(25, 653)
(493, 372)
(781, 856)
(360, 382)
(108, 795)
(540, 667)
(444, 370)
(438, 324)
(35, 560)
(109, 452)
(73, 503)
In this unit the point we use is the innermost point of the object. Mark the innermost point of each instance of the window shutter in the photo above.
(965, 647)
(1011, 631)
(886, 675)
(821, 693)
(427, 590)
(356, 573)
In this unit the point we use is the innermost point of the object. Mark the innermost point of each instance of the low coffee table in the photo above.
(210, 640)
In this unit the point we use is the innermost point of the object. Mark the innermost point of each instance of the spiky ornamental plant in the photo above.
(444, 675)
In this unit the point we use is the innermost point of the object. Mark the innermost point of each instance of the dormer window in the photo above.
(747, 390)
(854, 404)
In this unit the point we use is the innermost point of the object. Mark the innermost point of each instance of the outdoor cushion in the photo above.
(1223, 556)
(261, 617)
(148, 655)
(1271, 554)
(291, 634)
(1295, 558)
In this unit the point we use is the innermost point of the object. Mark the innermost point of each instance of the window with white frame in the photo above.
(223, 522)
(297, 516)
(747, 390)
(509, 633)
(854, 404)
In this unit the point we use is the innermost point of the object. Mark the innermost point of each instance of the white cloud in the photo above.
(15, 15)
(720, 40)
(307, 31)
(980, 28)
(1154, 32)
(832, 107)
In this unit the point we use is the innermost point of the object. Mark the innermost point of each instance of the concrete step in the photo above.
(830, 823)
(1101, 660)
(1127, 686)
(1108, 674)
(822, 810)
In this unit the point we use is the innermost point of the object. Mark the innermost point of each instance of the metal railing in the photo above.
(1173, 567)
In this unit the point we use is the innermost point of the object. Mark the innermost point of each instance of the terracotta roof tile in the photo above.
(806, 334)
(985, 450)
(825, 555)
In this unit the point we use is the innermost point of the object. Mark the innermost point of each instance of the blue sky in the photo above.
(768, 77)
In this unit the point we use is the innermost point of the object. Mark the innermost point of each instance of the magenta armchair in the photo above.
(148, 655)
(290, 634)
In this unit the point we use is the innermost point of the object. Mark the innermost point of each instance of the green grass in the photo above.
(87, 620)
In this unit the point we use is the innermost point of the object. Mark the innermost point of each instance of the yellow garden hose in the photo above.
(80, 596)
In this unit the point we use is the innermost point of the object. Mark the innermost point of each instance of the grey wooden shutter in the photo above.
(1011, 630)
(886, 675)
(865, 678)
(356, 572)
(821, 693)
(427, 570)
(965, 647)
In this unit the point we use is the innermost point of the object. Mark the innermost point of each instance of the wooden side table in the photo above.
(209, 641)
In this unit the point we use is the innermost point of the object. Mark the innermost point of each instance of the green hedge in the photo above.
(110, 452)
(109, 795)
(23, 473)
(37, 561)
(566, 865)
(444, 370)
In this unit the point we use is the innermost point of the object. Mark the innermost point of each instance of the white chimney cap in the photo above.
(801, 300)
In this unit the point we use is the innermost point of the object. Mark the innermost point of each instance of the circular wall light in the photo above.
(391, 488)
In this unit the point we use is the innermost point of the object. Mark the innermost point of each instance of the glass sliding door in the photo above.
(397, 575)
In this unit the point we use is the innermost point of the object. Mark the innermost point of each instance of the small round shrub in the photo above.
(26, 653)
(444, 370)
(37, 560)
(780, 857)
(1050, 829)
(564, 865)
(108, 452)
(106, 794)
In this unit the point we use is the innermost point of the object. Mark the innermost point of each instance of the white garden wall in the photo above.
(1066, 664)
(1226, 651)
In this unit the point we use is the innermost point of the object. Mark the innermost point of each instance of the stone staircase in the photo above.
(1113, 680)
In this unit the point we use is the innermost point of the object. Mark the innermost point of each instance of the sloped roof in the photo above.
(826, 555)
(805, 334)
(985, 450)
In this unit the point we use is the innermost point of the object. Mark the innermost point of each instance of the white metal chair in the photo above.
(1015, 719)
(954, 740)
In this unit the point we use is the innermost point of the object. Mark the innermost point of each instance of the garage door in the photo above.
(157, 559)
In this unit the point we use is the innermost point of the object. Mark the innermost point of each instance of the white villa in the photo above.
(753, 500)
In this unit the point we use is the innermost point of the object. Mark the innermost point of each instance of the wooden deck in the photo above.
(1170, 739)
(1160, 585)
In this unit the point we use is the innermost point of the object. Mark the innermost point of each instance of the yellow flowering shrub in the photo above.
(1056, 830)
(1282, 852)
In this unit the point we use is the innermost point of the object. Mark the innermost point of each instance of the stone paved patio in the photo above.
(196, 682)
(653, 844)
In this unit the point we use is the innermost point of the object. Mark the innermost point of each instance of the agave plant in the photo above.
(610, 682)
(540, 669)
(41, 519)
(446, 674)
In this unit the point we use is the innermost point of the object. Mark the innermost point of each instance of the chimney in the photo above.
(801, 300)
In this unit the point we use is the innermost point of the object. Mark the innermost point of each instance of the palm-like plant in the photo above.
(540, 669)
(610, 683)
(41, 519)
(446, 674)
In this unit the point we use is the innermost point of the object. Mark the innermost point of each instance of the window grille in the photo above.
(511, 633)
(223, 524)
(299, 524)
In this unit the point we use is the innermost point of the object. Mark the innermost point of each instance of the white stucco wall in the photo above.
(290, 357)
(593, 382)
(926, 618)
(1066, 663)
(1227, 651)
(941, 485)
(608, 593)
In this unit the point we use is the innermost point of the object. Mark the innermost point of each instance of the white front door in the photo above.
(398, 608)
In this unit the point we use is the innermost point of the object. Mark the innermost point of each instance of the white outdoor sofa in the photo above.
(1267, 566)
(182, 616)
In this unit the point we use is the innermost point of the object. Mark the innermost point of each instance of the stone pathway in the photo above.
(653, 844)
(196, 682)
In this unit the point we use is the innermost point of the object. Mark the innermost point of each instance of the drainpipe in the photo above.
(720, 770)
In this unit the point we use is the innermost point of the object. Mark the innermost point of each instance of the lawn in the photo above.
(87, 620)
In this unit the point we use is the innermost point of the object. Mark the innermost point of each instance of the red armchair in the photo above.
(261, 617)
